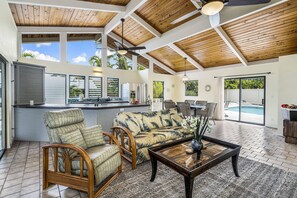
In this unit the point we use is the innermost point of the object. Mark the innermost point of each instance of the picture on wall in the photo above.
(191, 87)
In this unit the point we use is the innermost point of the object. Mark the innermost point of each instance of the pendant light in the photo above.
(212, 7)
(185, 77)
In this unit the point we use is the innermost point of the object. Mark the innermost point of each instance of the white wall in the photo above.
(8, 49)
(207, 78)
(287, 83)
(8, 33)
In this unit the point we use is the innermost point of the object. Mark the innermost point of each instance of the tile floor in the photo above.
(21, 166)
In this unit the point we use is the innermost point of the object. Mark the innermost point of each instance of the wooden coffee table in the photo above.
(174, 156)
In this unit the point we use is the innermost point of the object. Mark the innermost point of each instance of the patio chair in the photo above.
(89, 166)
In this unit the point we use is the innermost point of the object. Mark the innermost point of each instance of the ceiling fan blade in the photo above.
(214, 20)
(134, 53)
(185, 16)
(137, 48)
(246, 2)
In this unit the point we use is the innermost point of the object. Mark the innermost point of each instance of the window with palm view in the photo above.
(84, 49)
(76, 86)
(113, 86)
(158, 89)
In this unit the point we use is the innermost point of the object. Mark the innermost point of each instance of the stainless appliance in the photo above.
(140, 90)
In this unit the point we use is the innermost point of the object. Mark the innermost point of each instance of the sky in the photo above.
(78, 52)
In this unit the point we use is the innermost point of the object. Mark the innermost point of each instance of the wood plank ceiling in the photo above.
(133, 32)
(160, 14)
(113, 2)
(268, 34)
(170, 58)
(27, 15)
(159, 70)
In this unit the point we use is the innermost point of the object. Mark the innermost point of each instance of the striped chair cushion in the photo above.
(93, 136)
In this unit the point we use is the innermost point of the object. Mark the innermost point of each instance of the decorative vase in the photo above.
(196, 146)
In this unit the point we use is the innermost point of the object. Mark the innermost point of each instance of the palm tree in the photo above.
(95, 61)
(28, 55)
(121, 62)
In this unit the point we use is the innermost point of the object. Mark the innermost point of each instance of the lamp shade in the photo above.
(122, 51)
(212, 7)
(185, 78)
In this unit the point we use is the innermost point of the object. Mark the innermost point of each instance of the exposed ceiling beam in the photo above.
(127, 44)
(183, 54)
(144, 24)
(159, 64)
(231, 45)
(131, 7)
(73, 4)
(201, 24)
(56, 30)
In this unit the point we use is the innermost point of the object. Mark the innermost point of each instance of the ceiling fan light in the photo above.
(122, 52)
(212, 7)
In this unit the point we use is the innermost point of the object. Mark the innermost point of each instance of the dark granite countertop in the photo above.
(82, 106)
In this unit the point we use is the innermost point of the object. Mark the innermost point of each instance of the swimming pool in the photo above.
(248, 109)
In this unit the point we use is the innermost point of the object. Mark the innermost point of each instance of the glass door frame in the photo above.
(240, 101)
(4, 106)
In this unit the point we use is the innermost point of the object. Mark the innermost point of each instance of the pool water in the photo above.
(248, 109)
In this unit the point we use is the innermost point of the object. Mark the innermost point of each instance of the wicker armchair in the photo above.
(82, 169)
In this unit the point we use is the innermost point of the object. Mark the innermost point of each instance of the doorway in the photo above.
(245, 99)
(3, 131)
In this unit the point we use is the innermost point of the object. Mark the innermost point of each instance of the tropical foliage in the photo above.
(140, 67)
(28, 55)
(191, 88)
(74, 91)
(248, 83)
(95, 61)
(158, 89)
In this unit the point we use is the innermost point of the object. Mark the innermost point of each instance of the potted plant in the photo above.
(198, 126)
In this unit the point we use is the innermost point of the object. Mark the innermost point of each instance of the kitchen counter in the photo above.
(82, 106)
(29, 124)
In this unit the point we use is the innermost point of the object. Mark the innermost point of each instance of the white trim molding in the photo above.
(231, 45)
(72, 4)
(57, 30)
(144, 24)
(183, 54)
(131, 7)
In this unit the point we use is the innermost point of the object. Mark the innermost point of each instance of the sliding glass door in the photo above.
(2, 106)
(245, 99)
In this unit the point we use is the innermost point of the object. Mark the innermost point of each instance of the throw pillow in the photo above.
(93, 136)
(152, 120)
(75, 138)
(165, 117)
(177, 119)
(133, 125)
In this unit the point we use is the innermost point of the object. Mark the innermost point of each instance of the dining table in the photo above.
(197, 107)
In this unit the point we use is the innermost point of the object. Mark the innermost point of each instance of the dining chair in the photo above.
(169, 104)
(191, 102)
(201, 102)
(184, 108)
(208, 111)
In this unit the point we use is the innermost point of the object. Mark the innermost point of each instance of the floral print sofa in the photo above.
(137, 131)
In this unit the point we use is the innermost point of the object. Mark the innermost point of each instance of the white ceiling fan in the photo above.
(212, 8)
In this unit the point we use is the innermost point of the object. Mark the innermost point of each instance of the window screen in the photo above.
(55, 88)
(95, 87)
(76, 86)
(112, 87)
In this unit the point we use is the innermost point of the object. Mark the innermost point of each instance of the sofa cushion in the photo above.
(165, 118)
(93, 136)
(156, 136)
(74, 137)
(129, 122)
(177, 119)
(152, 120)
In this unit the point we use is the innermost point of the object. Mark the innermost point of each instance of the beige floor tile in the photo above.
(10, 190)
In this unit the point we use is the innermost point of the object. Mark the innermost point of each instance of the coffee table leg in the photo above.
(154, 168)
(235, 164)
(189, 186)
